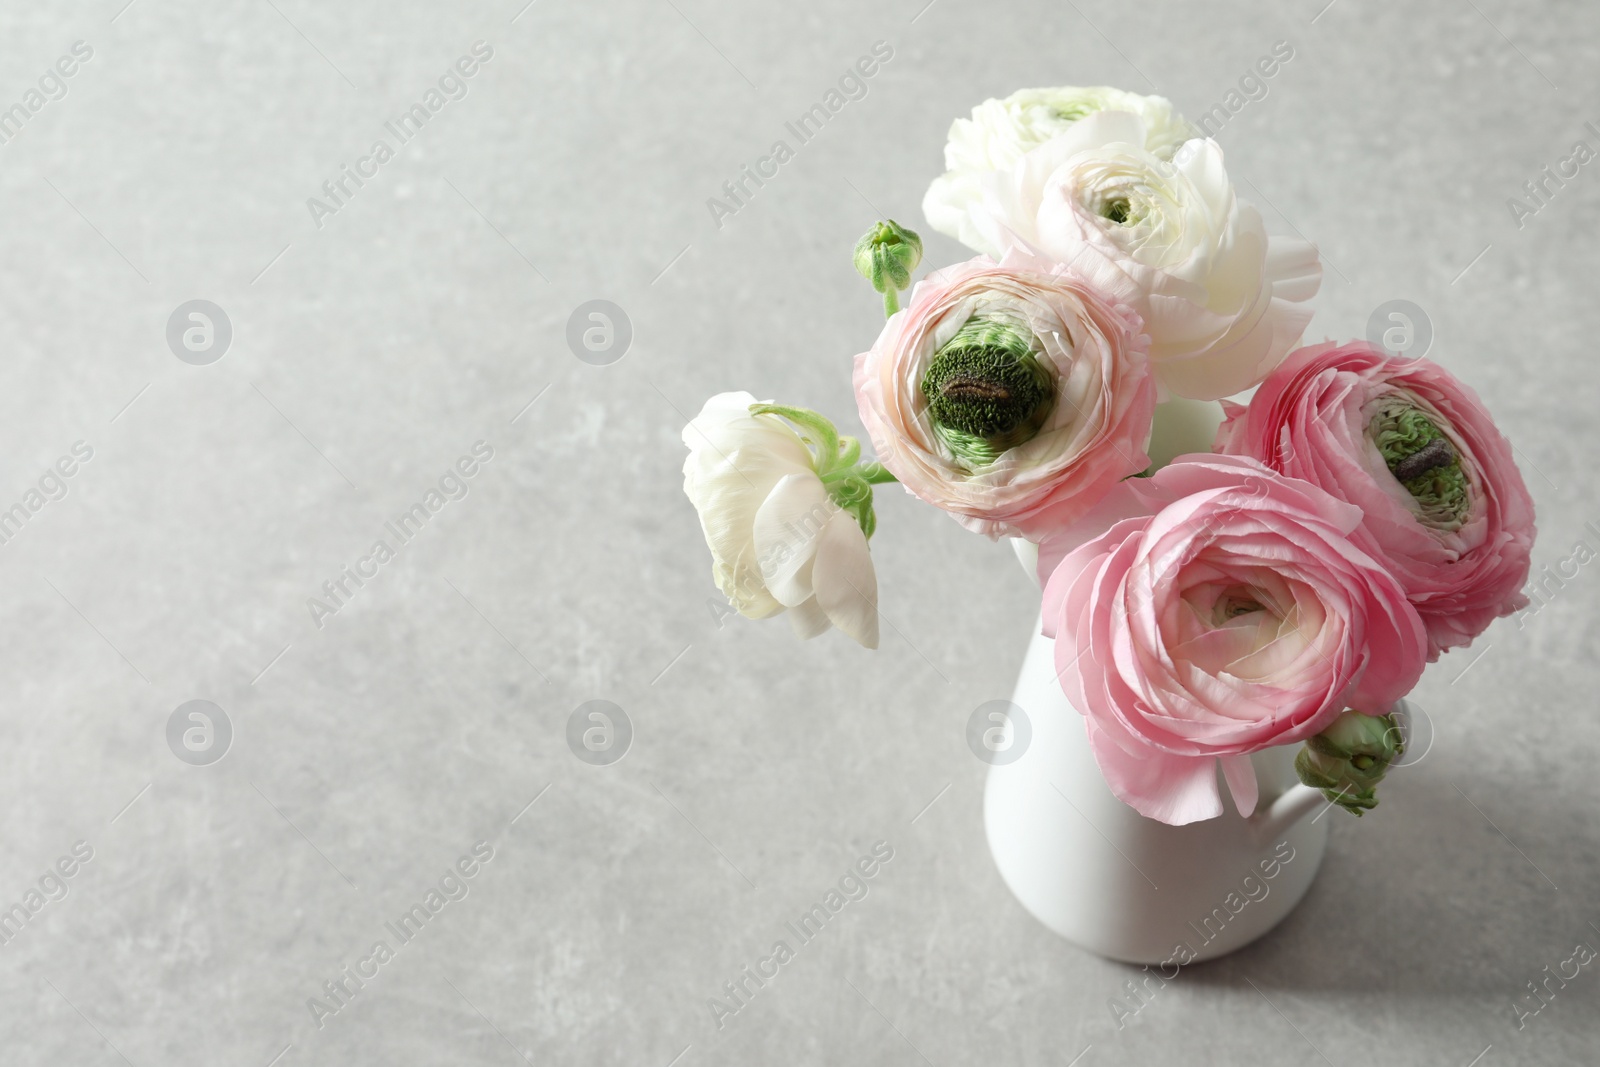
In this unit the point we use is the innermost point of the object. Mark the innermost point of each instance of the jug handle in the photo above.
(1298, 801)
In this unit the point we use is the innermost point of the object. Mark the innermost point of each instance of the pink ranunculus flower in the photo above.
(1225, 610)
(1443, 504)
(1006, 391)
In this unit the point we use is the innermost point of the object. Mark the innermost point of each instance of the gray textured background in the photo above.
(370, 353)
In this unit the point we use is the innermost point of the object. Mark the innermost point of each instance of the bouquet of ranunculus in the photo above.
(1360, 514)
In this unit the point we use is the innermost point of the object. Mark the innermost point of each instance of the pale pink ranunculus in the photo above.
(1463, 558)
(1225, 610)
(1087, 341)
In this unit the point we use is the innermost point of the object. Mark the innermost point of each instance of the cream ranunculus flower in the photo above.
(1001, 132)
(778, 538)
(1223, 301)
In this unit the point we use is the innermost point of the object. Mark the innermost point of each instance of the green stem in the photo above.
(826, 437)
(871, 473)
(849, 452)
(874, 474)
(838, 474)
(891, 302)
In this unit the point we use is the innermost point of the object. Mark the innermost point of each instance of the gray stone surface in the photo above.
(371, 352)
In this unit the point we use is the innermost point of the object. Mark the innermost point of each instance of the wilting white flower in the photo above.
(1001, 132)
(778, 540)
(1223, 302)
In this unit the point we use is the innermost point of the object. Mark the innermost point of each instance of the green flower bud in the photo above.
(885, 256)
(987, 389)
(1422, 459)
(1348, 759)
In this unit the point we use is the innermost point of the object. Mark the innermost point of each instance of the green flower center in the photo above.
(1423, 460)
(987, 390)
(1072, 113)
(1117, 210)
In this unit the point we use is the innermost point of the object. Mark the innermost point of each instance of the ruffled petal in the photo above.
(1176, 790)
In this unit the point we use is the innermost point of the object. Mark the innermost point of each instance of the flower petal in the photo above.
(845, 581)
(1241, 777)
(808, 619)
(785, 533)
(1176, 790)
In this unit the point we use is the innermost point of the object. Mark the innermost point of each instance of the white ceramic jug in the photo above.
(1126, 887)
(1105, 877)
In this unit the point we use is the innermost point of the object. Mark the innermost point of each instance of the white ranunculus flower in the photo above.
(1001, 132)
(1223, 302)
(778, 541)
